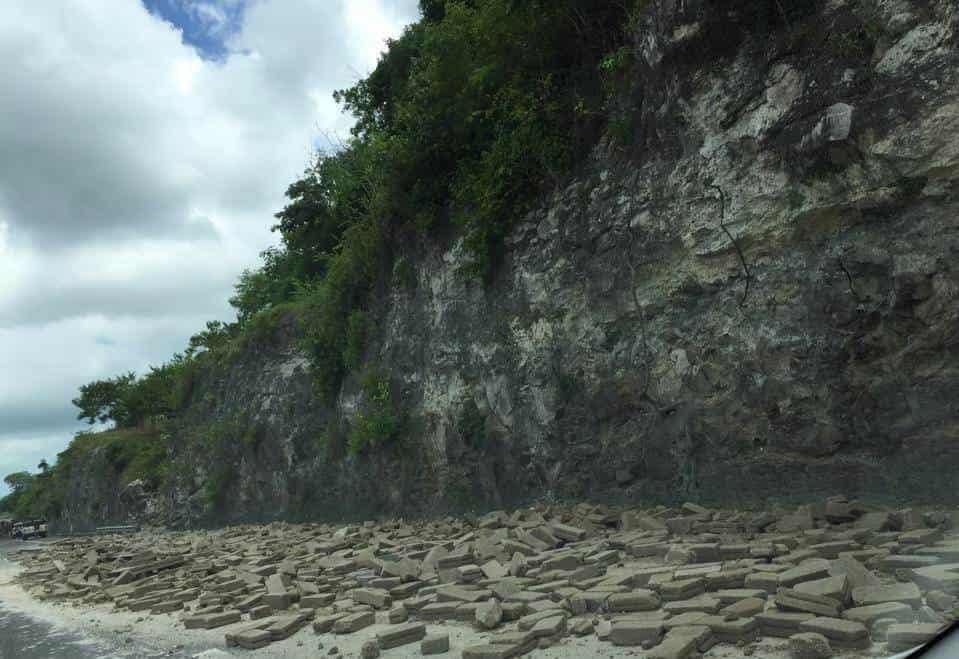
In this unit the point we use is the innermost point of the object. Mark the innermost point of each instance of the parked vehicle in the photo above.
(31, 529)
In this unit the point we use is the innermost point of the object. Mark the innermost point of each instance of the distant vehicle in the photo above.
(32, 529)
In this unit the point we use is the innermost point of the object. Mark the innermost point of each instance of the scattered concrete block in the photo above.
(678, 644)
(214, 620)
(375, 597)
(907, 593)
(808, 571)
(841, 633)
(906, 636)
(567, 532)
(780, 623)
(324, 624)
(253, 639)
(635, 632)
(401, 635)
(869, 614)
(788, 599)
(637, 600)
(353, 622)
(435, 644)
(745, 608)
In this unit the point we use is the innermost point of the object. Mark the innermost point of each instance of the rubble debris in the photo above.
(674, 582)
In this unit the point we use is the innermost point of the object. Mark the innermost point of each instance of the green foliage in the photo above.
(466, 115)
(378, 421)
(21, 485)
(251, 437)
(910, 187)
(345, 288)
(136, 456)
(104, 400)
(332, 443)
(132, 453)
(217, 485)
(795, 198)
(161, 392)
(323, 441)
(223, 443)
(356, 331)
(129, 401)
(479, 104)
(216, 336)
(851, 43)
(19, 482)
(276, 281)
(128, 454)
(404, 275)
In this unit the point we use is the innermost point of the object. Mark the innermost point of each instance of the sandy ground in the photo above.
(45, 629)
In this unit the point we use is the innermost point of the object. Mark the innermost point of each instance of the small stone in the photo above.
(333, 650)
(489, 614)
(370, 650)
(809, 645)
(905, 636)
(603, 629)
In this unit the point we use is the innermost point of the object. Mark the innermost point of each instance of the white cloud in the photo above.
(24, 452)
(138, 179)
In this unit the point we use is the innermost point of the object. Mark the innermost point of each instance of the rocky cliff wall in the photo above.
(757, 299)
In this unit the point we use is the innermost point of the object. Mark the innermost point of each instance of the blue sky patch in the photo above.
(206, 25)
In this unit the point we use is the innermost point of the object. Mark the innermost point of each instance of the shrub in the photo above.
(356, 329)
(346, 286)
(378, 421)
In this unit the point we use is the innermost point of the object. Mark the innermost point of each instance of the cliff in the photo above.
(756, 299)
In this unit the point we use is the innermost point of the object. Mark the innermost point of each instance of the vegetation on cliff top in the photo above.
(121, 455)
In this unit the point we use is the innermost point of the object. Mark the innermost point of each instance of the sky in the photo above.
(144, 147)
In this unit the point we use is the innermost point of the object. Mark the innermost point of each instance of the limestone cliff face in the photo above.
(759, 299)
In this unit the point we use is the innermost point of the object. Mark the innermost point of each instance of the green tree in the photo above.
(273, 283)
(19, 482)
(130, 401)
(21, 486)
(103, 400)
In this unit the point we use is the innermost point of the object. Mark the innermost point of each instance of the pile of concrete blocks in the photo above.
(673, 581)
